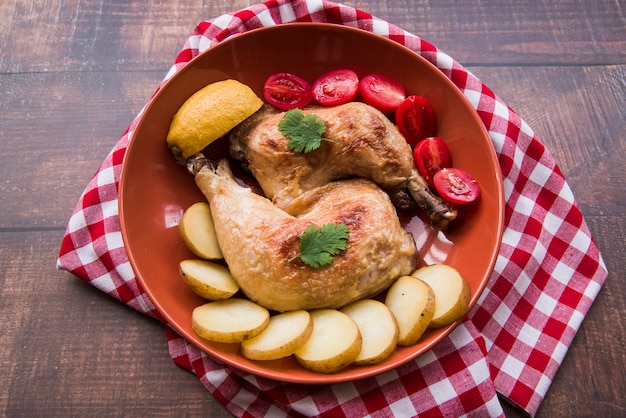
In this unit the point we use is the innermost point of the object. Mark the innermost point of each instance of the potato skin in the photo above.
(208, 280)
(285, 333)
(413, 304)
(197, 231)
(335, 342)
(378, 327)
(230, 320)
(452, 293)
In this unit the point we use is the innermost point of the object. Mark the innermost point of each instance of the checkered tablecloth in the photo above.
(546, 276)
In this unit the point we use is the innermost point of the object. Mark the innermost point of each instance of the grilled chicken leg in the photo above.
(258, 242)
(364, 144)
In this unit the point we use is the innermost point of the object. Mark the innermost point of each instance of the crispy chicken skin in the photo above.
(364, 144)
(258, 242)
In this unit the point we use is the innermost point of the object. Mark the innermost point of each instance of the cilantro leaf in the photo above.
(303, 131)
(319, 245)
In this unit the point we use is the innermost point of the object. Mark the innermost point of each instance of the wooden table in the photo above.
(74, 74)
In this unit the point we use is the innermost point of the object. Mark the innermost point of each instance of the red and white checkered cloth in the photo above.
(546, 277)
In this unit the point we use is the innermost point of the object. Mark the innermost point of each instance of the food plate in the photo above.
(155, 190)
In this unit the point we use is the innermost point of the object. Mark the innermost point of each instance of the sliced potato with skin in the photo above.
(378, 327)
(285, 333)
(334, 343)
(198, 232)
(230, 320)
(412, 302)
(208, 280)
(452, 293)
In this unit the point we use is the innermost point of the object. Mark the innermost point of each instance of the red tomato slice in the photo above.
(431, 155)
(415, 118)
(456, 186)
(382, 92)
(336, 87)
(287, 91)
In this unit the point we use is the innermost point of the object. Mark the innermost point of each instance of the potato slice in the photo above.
(198, 232)
(452, 293)
(334, 343)
(285, 333)
(230, 320)
(413, 304)
(378, 327)
(209, 280)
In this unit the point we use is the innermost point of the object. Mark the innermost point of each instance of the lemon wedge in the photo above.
(209, 114)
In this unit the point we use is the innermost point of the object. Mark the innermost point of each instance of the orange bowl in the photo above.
(155, 190)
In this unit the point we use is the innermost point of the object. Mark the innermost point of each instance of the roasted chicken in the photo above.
(363, 143)
(259, 242)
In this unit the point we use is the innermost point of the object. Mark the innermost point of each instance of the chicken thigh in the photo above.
(259, 242)
(363, 143)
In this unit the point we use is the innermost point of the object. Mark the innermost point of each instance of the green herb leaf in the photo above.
(319, 245)
(304, 132)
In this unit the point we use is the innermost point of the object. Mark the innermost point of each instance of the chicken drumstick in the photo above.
(258, 242)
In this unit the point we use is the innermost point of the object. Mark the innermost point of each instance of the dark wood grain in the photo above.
(70, 350)
(74, 74)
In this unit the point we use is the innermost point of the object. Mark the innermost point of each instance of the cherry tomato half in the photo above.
(382, 92)
(415, 118)
(456, 186)
(431, 155)
(336, 87)
(287, 91)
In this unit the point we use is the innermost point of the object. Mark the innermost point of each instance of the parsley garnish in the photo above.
(304, 132)
(319, 245)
